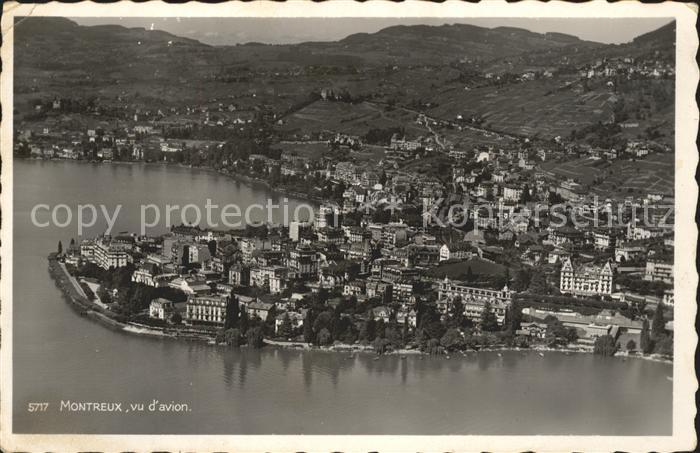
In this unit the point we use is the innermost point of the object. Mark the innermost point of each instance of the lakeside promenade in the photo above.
(76, 296)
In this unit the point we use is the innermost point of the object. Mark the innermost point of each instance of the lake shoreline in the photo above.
(241, 177)
(86, 308)
(107, 319)
(353, 349)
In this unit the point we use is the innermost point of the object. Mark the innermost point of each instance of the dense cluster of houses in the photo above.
(507, 203)
(383, 262)
(387, 263)
(506, 216)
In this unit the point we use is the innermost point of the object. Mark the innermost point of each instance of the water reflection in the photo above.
(332, 367)
(404, 370)
(307, 364)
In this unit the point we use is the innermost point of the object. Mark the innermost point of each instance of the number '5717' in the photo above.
(37, 407)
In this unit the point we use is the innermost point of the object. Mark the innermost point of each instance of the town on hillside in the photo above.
(518, 197)
(367, 282)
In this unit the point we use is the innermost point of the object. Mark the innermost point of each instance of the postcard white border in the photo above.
(686, 191)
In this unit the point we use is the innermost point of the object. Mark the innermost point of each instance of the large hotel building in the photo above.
(106, 252)
(587, 280)
(207, 310)
(474, 299)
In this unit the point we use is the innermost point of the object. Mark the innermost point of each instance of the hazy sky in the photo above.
(223, 31)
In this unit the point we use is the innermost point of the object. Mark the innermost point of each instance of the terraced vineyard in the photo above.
(540, 109)
(652, 174)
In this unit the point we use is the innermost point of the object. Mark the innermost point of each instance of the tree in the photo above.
(176, 318)
(380, 345)
(522, 280)
(631, 345)
(337, 325)
(243, 322)
(60, 248)
(431, 324)
(433, 346)
(470, 274)
(322, 321)
(368, 329)
(605, 345)
(308, 327)
(658, 325)
(72, 242)
(556, 330)
(404, 331)
(645, 343)
(515, 317)
(104, 295)
(350, 334)
(286, 327)
(380, 329)
(382, 178)
(506, 276)
(255, 337)
(664, 345)
(232, 337)
(211, 245)
(324, 337)
(393, 335)
(232, 312)
(525, 197)
(456, 314)
(452, 340)
(538, 283)
(489, 322)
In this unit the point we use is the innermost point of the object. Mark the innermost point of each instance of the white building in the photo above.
(209, 310)
(105, 252)
(297, 229)
(458, 251)
(586, 280)
(659, 271)
(160, 308)
(475, 299)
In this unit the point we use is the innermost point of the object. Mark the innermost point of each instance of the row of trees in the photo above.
(324, 326)
(656, 339)
(240, 329)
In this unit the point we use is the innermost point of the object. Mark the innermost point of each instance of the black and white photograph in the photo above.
(253, 222)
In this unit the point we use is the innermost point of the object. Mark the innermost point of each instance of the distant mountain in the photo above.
(55, 42)
(108, 54)
(448, 42)
(664, 36)
(56, 57)
(61, 30)
(58, 48)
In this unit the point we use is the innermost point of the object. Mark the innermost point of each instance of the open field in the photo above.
(583, 170)
(436, 166)
(351, 119)
(652, 174)
(470, 138)
(368, 154)
(458, 270)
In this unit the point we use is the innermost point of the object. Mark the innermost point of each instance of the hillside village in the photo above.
(443, 224)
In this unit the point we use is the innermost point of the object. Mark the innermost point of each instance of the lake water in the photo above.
(59, 355)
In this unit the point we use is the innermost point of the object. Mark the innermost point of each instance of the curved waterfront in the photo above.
(59, 355)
